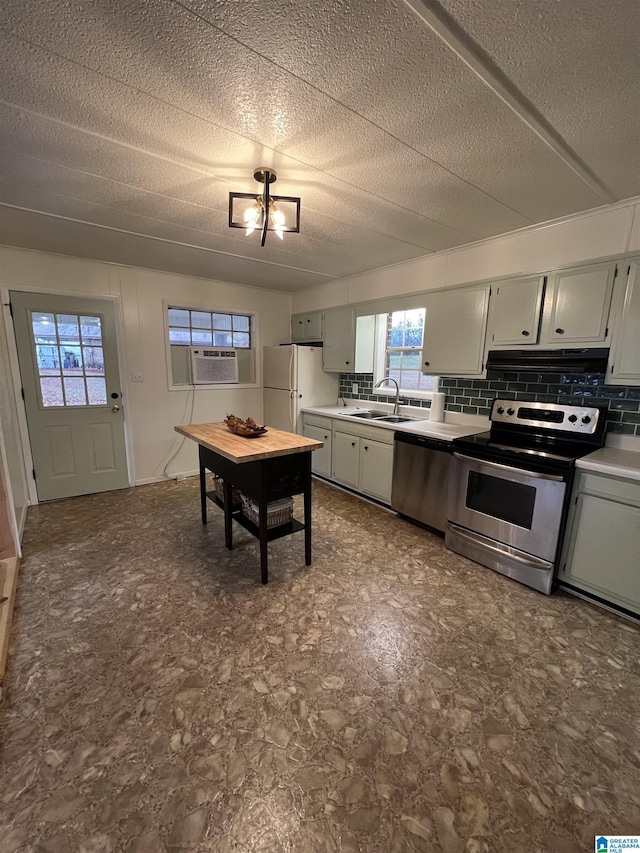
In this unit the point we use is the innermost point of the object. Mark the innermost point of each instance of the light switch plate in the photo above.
(354, 388)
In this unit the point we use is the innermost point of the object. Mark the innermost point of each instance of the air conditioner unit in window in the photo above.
(213, 366)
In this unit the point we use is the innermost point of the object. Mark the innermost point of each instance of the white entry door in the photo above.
(68, 357)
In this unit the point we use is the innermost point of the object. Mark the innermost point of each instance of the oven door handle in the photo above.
(540, 476)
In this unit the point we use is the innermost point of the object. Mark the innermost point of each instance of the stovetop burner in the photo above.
(544, 435)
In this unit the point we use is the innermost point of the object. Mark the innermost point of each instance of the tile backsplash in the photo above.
(474, 396)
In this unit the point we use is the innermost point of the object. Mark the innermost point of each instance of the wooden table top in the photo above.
(275, 442)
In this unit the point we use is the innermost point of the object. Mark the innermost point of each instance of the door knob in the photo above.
(115, 408)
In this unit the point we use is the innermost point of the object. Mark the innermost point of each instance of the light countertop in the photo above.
(237, 448)
(454, 426)
(613, 461)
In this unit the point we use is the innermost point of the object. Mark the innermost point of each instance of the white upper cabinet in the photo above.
(306, 327)
(515, 309)
(576, 306)
(570, 308)
(454, 331)
(348, 342)
(624, 363)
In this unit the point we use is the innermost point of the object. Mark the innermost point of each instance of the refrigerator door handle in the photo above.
(292, 410)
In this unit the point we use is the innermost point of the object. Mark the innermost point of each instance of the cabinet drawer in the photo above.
(609, 487)
(318, 421)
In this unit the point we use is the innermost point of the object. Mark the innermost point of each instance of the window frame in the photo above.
(168, 304)
(379, 361)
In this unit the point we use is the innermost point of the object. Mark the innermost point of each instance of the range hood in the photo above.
(550, 360)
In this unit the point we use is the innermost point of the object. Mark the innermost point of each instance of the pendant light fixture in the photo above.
(264, 212)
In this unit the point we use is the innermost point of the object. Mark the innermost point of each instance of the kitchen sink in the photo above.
(372, 415)
(368, 414)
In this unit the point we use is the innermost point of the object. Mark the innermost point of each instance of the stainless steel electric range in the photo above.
(509, 488)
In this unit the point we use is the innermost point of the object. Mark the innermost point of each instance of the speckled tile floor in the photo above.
(392, 697)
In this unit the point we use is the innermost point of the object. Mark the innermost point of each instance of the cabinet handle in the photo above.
(525, 333)
(426, 364)
(308, 321)
(559, 331)
(353, 444)
(326, 437)
(366, 447)
(347, 362)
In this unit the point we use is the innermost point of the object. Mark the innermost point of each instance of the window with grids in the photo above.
(69, 359)
(188, 327)
(399, 351)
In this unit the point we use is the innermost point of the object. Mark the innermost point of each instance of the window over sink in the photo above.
(398, 353)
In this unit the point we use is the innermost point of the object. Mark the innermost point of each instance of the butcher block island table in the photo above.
(265, 468)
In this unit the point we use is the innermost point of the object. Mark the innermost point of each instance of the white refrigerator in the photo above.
(293, 379)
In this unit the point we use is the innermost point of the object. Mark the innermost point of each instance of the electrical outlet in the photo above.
(354, 388)
(137, 376)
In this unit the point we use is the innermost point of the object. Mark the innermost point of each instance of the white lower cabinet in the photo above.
(346, 459)
(602, 547)
(376, 469)
(364, 463)
(354, 455)
(320, 429)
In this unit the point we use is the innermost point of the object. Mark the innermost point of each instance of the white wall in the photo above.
(609, 231)
(151, 410)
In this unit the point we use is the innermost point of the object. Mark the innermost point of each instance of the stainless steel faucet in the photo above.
(396, 405)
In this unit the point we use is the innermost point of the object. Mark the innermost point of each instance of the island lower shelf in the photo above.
(286, 529)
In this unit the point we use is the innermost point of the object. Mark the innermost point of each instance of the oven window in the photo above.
(511, 502)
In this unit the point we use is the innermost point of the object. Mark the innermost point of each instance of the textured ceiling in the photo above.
(405, 127)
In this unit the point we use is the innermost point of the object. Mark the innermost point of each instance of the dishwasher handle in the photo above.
(428, 442)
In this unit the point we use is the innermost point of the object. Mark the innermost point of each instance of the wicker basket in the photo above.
(236, 495)
(278, 512)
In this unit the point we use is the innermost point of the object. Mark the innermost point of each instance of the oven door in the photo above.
(519, 508)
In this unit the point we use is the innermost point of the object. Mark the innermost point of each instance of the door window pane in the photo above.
(91, 330)
(72, 345)
(71, 360)
(74, 391)
(51, 390)
(93, 360)
(97, 391)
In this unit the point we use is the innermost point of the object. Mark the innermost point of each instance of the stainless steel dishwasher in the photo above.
(420, 478)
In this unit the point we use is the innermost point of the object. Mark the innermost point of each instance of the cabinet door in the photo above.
(603, 551)
(625, 353)
(338, 352)
(346, 459)
(454, 334)
(313, 326)
(515, 310)
(320, 459)
(578, 305)
(297, 327)
(376, 469)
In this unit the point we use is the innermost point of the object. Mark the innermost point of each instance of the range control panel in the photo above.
(580, 420)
